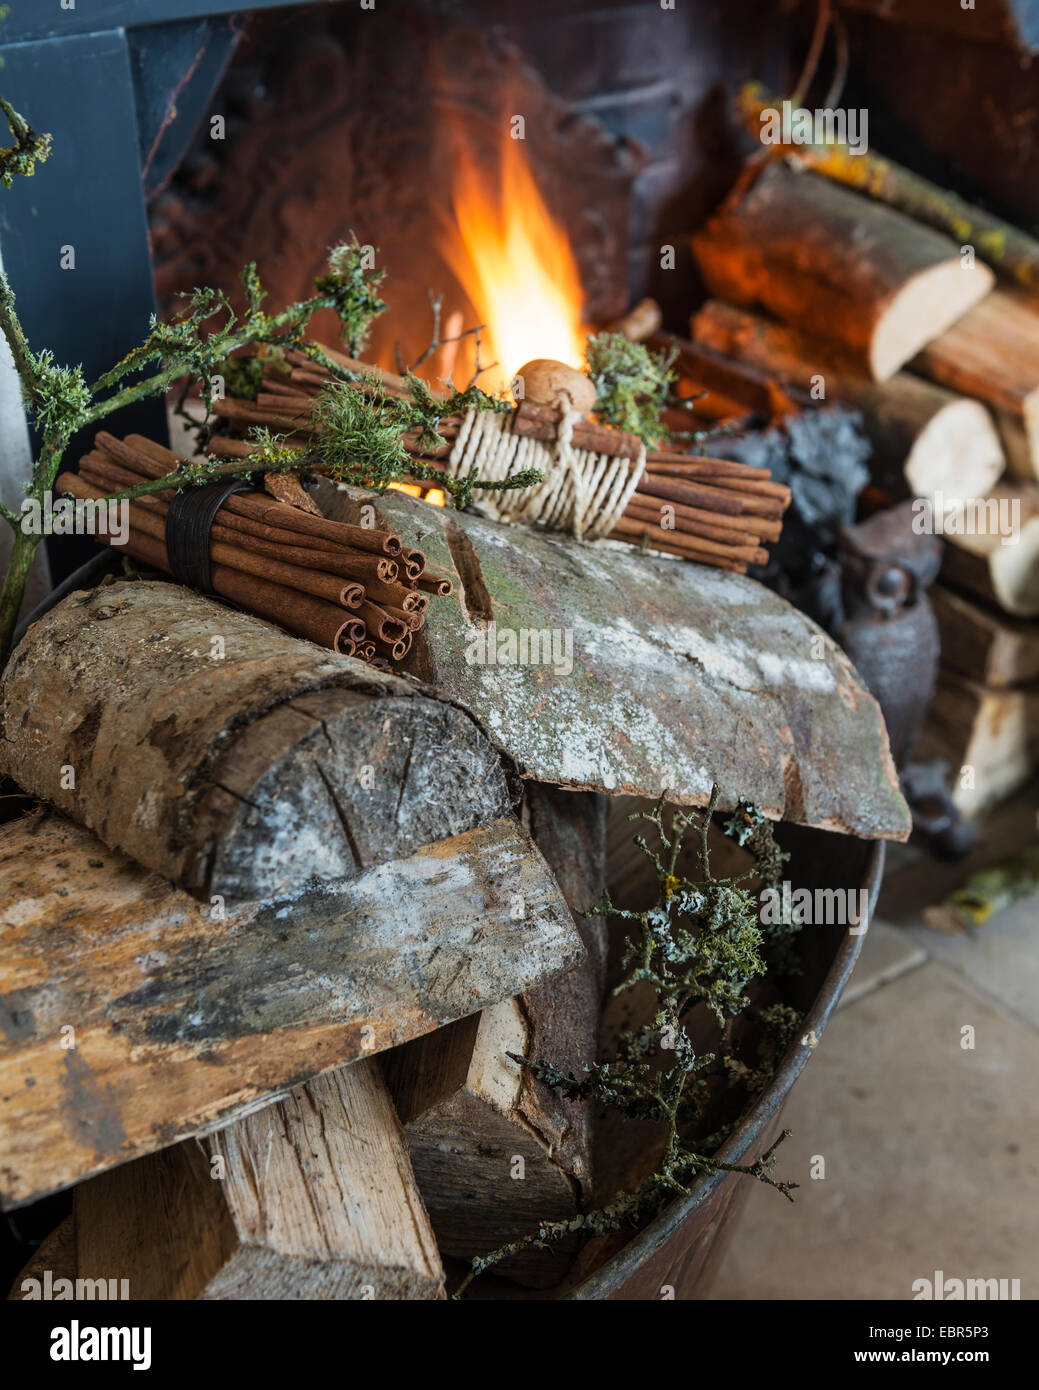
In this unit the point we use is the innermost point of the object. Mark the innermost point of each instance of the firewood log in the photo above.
(640, 322)
(839, 266)
(992, 353)
(141, 1017)
(311, 1198)
(495, 1152)
(53, 1260)
(989, 737)
(924, 437)
(235, 760)
(1007, 575)
(983, 644)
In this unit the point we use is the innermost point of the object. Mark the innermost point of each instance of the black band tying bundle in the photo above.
(188, 525)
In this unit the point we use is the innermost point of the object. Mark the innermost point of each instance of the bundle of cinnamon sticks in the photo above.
(357, 590)
(710, 510)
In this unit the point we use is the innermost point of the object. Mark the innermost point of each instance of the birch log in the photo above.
(311, 1198)
(235, 760)
(839, 266)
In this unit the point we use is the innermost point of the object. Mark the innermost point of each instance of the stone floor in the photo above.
(931, 1150)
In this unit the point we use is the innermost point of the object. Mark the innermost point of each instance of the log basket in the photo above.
(352, 968)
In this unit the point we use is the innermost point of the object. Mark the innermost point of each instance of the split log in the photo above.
(978, 642)
(53, 1262)
(838, 266)
(470, 1111)
(235, 760)
(989, 737)
(924, 437)
(1008, 249)
(733, 385)
(312, 1198)
(992, 353)
(1007, 575)
(132, 1016)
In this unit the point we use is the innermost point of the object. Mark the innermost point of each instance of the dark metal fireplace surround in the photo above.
(332, 116)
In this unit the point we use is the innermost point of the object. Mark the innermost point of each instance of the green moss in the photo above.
(632, 385)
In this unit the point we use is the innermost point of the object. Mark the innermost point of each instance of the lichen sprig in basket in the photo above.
(700, 943)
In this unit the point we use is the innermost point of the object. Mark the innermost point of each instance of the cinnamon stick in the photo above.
(678, 466)
(753, 503)
(298, 613)
(155, 461)
(745, 554)
(397, 650)
(262, 566)
(631, 532)
(760, 528)
(337, 559)
(287, 488)
(383, 593)
(412, 621)
(435, 584)
(694, 494)
(235, 530)
(642, 509)
(414, 563)
(380, 624)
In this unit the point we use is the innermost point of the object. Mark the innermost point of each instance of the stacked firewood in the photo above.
(714, 511)
(842, 298)
(355, 589)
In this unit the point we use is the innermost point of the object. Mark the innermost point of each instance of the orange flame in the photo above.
(515, 264)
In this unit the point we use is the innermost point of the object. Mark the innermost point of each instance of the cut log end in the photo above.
(924, 307)
(839, 266)
(957, 452)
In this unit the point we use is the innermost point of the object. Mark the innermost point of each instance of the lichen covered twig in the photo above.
(700, 944)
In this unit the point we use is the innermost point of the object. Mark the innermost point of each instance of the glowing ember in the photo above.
(514, 263)
(434, 495)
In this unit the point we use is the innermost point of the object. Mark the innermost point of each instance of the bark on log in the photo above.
(312, 1198)
(992, 353)
(660, 650)
(131, 1016)
(980, 643)
(235, 760)
(470, 1112)
(833, 264)
(1004, 574)
(924, 437)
